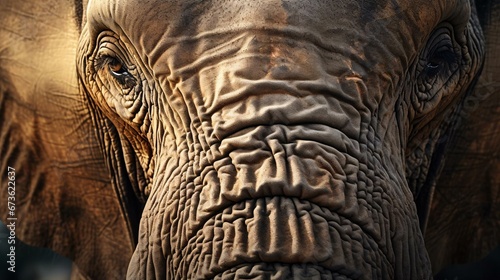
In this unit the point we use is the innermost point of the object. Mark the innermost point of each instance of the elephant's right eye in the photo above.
(116, 70)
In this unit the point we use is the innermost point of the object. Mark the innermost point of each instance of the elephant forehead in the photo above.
(171, 34)
(182, 14)
(152, 21)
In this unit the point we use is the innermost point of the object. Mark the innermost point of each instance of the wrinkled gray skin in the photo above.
(464, 223)
(272, 139)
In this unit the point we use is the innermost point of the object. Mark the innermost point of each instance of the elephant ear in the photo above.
(64, 196)
(464, 221)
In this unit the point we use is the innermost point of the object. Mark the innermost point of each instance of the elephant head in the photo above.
(248, 139)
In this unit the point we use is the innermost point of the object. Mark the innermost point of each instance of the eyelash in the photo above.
(121, 75)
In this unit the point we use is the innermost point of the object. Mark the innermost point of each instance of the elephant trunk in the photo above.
(281, 172)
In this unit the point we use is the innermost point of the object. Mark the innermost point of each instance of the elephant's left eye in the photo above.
(441, 56)
(440, 61)
(440, 65)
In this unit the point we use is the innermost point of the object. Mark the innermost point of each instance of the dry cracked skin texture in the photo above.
(270, 139)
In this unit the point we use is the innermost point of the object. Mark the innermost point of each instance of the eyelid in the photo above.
(104, 61)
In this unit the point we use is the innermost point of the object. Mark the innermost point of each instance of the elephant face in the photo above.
(279, 138)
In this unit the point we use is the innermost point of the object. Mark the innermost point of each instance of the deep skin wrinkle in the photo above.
(257, 124)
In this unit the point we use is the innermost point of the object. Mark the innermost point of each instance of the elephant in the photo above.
(278, 139)
(470, 177)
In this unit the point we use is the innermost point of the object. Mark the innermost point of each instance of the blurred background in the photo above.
(32, 263)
